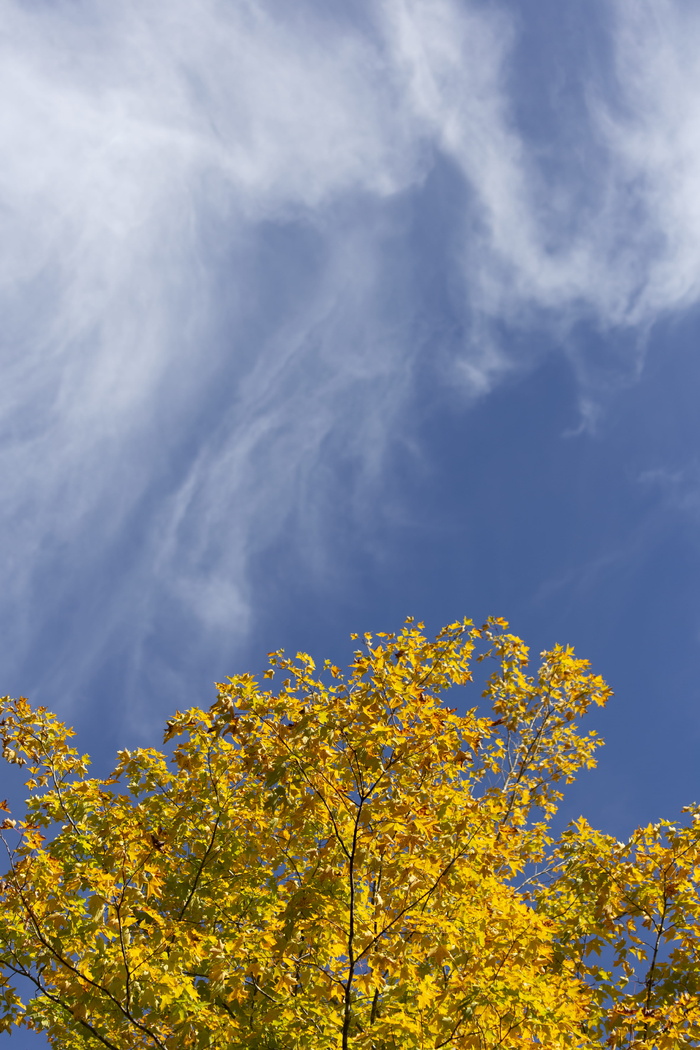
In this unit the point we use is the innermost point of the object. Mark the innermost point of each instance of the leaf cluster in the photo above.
(330, 861)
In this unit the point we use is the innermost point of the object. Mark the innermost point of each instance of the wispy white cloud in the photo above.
(167, 407)
(147, 147)
(655, 142)
(632, 251)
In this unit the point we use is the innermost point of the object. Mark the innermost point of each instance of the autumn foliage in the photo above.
(348, 862)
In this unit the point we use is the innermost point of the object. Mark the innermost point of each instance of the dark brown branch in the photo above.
(200, 869)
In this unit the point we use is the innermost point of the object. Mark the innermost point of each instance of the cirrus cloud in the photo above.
(208, 276)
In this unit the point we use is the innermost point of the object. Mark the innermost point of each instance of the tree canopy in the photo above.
(327, 862)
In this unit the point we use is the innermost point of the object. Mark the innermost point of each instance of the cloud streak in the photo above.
(207, 216)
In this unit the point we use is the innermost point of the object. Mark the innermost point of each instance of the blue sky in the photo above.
(320, 315)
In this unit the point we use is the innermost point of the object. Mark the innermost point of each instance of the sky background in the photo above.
(317, 315)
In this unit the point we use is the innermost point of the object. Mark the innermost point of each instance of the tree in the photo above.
(348, 863)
